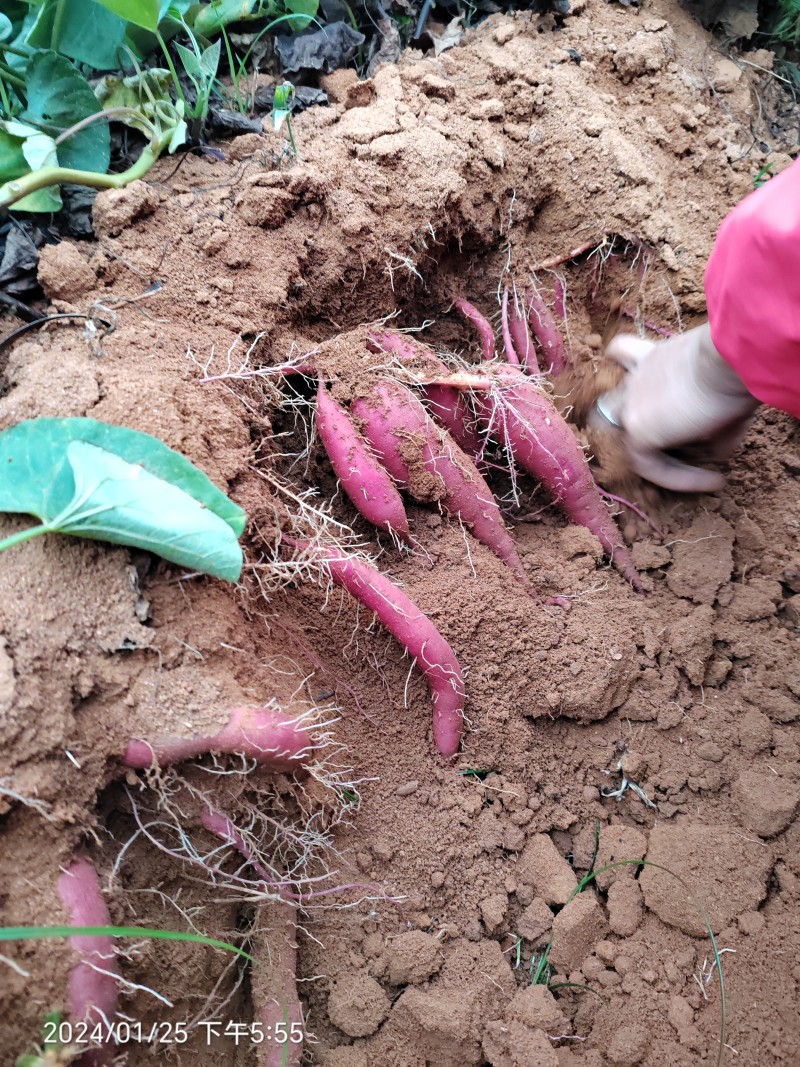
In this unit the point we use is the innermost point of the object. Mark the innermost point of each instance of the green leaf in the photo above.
(59, 97)
(43, 201)
(40, 151)
(284, 96)
(191, 63)
(115, 484)
(6, 29)
(144, 13)
(209, 61)
(87, 32)
(304, 9)
(12, 160)
(278, 116)
(122, 503)
(22, 149)
(170, 15)
(45, 441)
(180, 136)
(212, 17)
(282, 104)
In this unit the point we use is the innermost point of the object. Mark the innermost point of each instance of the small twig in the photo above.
(5, 341)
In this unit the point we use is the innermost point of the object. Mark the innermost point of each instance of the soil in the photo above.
(624, 130)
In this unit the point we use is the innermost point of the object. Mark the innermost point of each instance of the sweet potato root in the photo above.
(274, 978)
(423, 458)
(539, 440)
(362, 477)
(93, 989)
(544, 328)
(266, 734)
(448, 406)
(412, 628)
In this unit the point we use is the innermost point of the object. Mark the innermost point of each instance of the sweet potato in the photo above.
(412, 628)
(266, 734)
(93, 990)
(423, 458)
(515, 334)
(274, 978)
(547, 333)
(508, 341)
(362, 477)
(481, 324)
(448, 405)
(538, 438)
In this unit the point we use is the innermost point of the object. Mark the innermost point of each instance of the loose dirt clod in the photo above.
(576, 929)
(357, 1005)
(541, 866)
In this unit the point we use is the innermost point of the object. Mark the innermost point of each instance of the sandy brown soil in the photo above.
(432, 177)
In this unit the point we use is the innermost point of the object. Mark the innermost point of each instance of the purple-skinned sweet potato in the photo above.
(424, 458)
(412, 628)
(93, 989)
(362, 477)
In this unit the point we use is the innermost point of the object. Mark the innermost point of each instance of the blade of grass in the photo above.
(35, 933)
(590, 877)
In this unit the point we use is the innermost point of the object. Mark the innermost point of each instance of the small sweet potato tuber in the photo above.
(93, 988)
(515, 330)
(543, 325)
(481, 324)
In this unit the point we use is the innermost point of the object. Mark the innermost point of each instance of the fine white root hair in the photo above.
(397, 262)
(41, 807)
(705, 972)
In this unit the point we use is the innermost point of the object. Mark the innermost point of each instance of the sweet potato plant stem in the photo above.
(15, 190)
(23, 535)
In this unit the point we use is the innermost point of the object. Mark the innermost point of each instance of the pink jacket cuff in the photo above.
(752, 286)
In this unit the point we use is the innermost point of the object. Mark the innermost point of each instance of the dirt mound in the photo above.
(618, 135)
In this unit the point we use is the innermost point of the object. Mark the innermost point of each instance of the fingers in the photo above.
(628, 350)
(727, 441)
(671, 473)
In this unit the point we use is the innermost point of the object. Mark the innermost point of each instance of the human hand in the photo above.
(677, 392)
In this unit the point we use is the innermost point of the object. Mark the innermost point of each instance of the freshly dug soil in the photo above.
(625, 131)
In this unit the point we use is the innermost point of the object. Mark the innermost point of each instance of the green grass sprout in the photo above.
(38, 933)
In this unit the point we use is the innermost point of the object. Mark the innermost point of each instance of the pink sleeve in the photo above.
(753, 291)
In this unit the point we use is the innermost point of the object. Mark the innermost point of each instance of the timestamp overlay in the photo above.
(123, 1031)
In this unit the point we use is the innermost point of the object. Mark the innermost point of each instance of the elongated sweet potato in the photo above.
(412, 628)
(538, 439)
(547, 333)
(426, 460)
(515, 333)
(93, 988)
(362, 477)
(508, 341)
(481, 324)
(274, 978)
(267, 735)
(449, 406)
